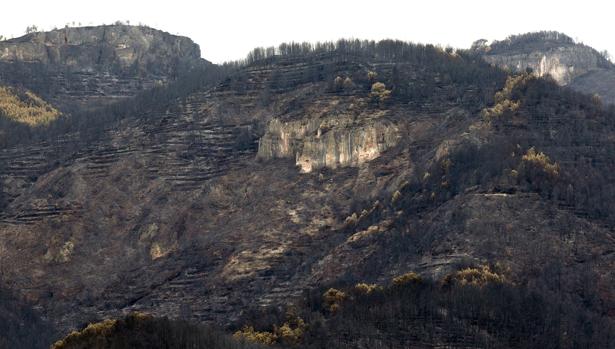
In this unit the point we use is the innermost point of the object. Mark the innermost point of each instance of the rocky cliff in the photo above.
(558, 56)
(104, 63)
(336, 141)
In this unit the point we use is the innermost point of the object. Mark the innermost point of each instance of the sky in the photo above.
(228, 29)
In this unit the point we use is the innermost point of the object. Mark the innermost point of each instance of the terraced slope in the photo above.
(175, 214)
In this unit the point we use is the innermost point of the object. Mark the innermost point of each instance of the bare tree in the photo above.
(31, 29)
(606, 55)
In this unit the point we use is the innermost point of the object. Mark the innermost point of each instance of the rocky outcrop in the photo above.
(314, 144)
(103, 63)
(115, 47)
(563, 64)
(556, 55)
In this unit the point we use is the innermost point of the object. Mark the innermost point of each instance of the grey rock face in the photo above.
(557, 55)
(563, 64)
(117, 47)
(316, 144)
(95, 64)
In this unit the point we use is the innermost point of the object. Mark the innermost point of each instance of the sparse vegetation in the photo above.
(289, 333)
(474, 306)
(541, 162)
(143, 331)
(504, 100)
(364, 288)
(250, 334)
(26, 107)
(538, 171)
(476, 276)
(380, 94)
(31, 29)
(332, 299)
(407, 278)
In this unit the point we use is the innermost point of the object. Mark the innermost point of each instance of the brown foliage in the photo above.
(26, 107)
(407, 278)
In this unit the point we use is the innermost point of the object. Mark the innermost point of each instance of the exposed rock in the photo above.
(120, 48)
(557, 55)
(563, 64)
(333, 143)
(95, 64)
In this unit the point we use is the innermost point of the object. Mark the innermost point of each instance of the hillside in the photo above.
(557, 55)
(343, 163)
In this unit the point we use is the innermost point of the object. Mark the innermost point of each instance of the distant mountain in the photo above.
(557, 55)
(95, 64)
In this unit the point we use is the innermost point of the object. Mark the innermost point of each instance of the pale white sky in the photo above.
(228, 29)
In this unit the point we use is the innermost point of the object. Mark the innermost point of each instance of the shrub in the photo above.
(538, 171)
(92, 333)
(291, 332)
(504, 99)
(379, 93)
(372, 76)
(475, 276)
(248, 333)
(338, 83)
(332, 299)
(540, 161)
(407, 278)
(364, 288)
(348, 84)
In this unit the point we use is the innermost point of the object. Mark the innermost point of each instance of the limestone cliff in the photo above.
(563, 64)
(100, 63)
(556, 55)
(316, 144)
(118, 47)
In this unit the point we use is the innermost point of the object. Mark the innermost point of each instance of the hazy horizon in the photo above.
(227, 31)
